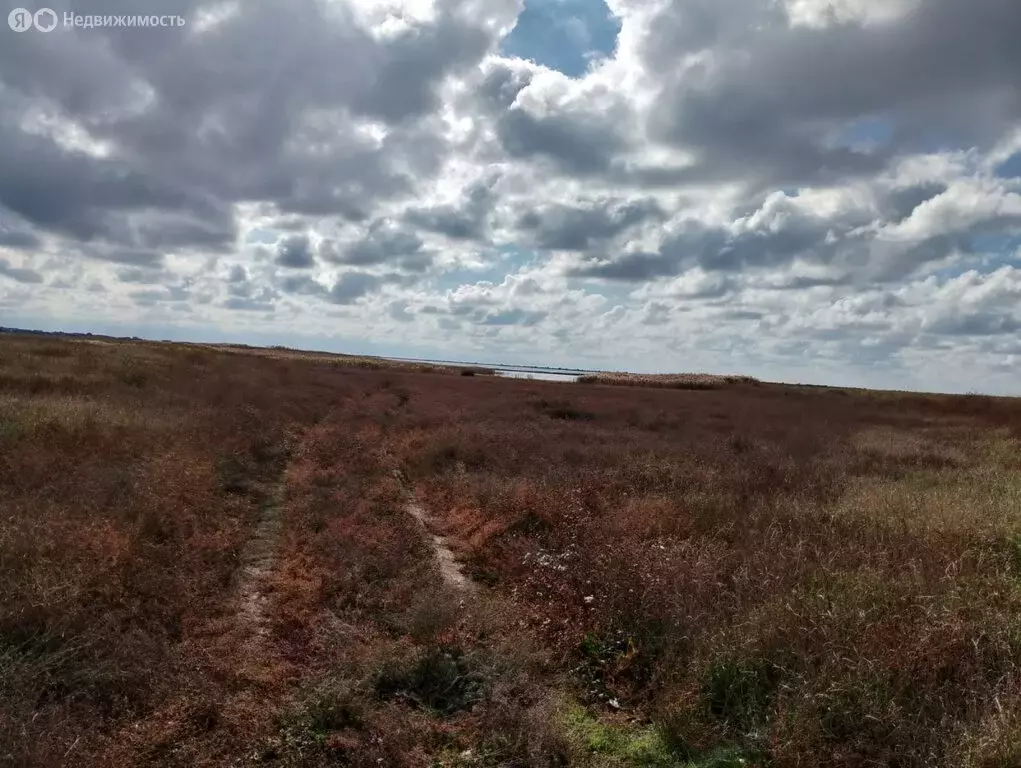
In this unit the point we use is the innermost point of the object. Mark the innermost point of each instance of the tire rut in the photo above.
(257, 564)
(450, 567)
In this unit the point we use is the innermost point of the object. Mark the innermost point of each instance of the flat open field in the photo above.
(220, 556)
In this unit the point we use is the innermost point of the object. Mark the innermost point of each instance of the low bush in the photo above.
(443, 678)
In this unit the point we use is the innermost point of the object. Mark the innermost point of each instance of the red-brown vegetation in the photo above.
(776, 575)
(667, 380)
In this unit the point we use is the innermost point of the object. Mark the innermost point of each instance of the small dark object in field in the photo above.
(468, 372)
(570, 414)
(560, 409)
(739, 444)
(442, 679)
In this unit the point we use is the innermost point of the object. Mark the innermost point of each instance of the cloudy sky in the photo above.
(811, 190)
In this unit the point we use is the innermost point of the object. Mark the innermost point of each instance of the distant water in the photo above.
(540, 375)
(509, 371)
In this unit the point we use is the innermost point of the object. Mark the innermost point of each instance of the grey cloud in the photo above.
(406, 70)
(743, 314)
(244, 297)
(718, 250)
(260, 108)
(580, 227)
(302, 284)
(740, 139)
(893, 262)
(447, 220)
(976, 324)
(244, 294)
(779, 229)
(347, 289)
(900, 203)
(465, 309)
(801, 282)
(295, 252)
(632, 267)
(352, 286)
(129, 256)
(248, 305)
(74, 194)
(289, 224)
(19, 274)
(466, 221)
(215, 230)
(142, 275)
(18, 239)
(501, 84)
(398, 310)
(418, 262)
(261, 253)
(580, 144)
(582, 138)
(382, 243)
(514, 317)
(656, 313)
(765, 109)
(151, 297)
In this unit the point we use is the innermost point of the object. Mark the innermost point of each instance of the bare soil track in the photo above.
(257, 563)
(266, 569)
(450, 568)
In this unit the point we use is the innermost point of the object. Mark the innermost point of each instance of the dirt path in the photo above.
(243, 668)
(450, 568)
(257, 563)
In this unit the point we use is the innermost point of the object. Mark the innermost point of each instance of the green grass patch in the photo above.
(606, 745)
(619, 745)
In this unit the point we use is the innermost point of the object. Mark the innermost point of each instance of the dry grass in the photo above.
(126, 500)
(812, 577)
(745, 575)
(667, 380)
(363, 362)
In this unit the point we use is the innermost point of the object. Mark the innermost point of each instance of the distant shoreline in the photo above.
(500, 366)
(459, 363)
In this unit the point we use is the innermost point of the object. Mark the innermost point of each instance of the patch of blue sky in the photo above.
(999, 250)
(1004, 243)
(1010, 168)
(564, 35)
(262, 236)
(614, 291)
(499, 262)
(866, 133)
(875, 132)
(988, 252)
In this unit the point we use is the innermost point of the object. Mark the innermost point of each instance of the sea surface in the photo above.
(510, 371)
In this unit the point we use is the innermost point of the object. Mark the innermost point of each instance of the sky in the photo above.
(822, 191)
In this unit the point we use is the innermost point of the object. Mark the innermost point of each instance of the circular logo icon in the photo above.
(45, 20)
(20, 19)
